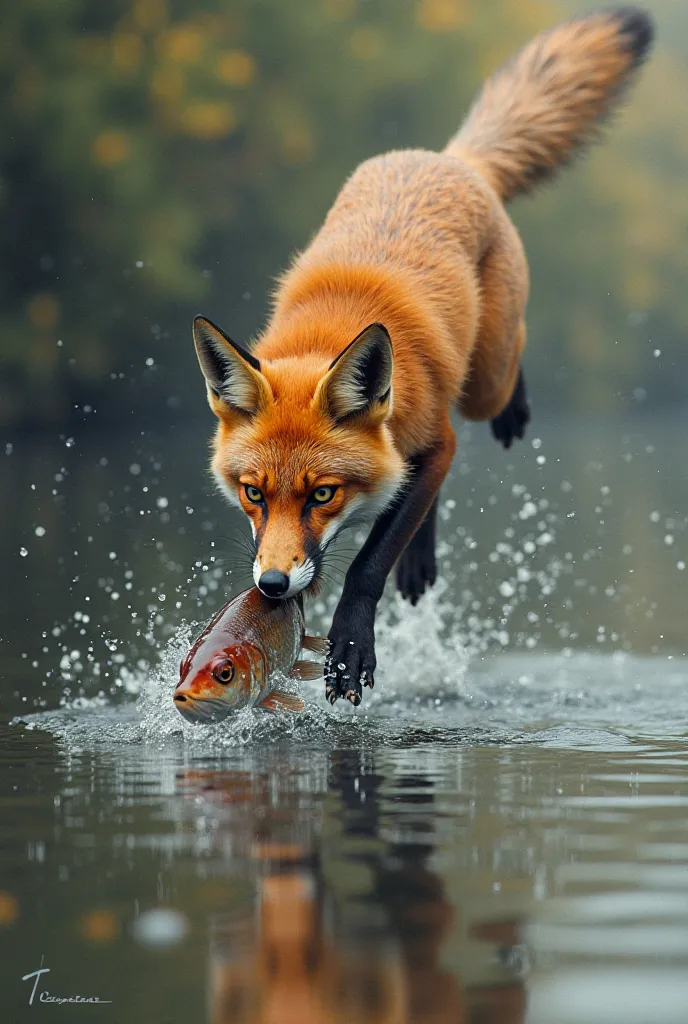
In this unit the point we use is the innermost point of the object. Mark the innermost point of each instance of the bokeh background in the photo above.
(164, 157)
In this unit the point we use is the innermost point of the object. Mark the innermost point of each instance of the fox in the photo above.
(408, 303)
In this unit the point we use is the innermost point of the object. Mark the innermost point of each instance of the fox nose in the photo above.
(273, 583)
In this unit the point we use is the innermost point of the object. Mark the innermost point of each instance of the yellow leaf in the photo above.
(235, 67)
(149, 14)
(9, 909)
(167, 84)
(43, 310)
(182, 44)
(366, 43)
(297, 144)
(110, 148)
(209, 120)
(99, 926)
(339, 10)
(441, 15)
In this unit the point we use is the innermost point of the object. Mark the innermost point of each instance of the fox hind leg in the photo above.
(417, 569)
(515, 417)
(494, 389)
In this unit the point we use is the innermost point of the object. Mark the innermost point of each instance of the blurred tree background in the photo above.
(158, 157)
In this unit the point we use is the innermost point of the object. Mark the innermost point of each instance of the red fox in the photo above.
(408, 302)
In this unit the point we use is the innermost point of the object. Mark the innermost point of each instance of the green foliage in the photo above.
(158, 155)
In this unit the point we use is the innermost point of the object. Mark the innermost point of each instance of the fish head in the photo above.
(211, 688)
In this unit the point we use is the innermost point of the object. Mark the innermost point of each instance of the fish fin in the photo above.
(316, 644)
(306, 670)
(277, 700)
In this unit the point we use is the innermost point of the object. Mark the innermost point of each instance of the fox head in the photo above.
(302, 446)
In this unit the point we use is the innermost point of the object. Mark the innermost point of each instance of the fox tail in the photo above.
(547, 104)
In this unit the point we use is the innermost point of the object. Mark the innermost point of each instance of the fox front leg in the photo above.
(351, 662)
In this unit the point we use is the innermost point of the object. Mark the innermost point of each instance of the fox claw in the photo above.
(351, 662)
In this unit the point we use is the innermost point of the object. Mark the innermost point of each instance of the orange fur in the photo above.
(421, 243)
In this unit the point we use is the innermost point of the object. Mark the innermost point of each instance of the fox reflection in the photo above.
(295, 972)
(294, 959)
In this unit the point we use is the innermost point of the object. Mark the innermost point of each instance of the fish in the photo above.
(231, 663)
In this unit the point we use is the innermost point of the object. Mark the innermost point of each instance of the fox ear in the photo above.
(359, 381)
(235, 383)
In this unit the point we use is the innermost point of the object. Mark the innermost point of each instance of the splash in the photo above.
(421, 650)
(468, 657)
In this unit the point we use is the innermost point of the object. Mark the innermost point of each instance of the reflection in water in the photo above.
(305, 950)
(539, 880)
(296, 967)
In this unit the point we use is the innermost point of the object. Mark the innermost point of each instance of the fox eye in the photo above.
(254, 494)
(224, 672)
(321, 495)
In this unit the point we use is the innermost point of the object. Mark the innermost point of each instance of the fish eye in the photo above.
(254, 494)
(224, 672)
(323, 495)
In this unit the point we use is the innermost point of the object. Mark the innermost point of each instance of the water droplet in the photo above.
(40, 531)
(160, 927)
(23, 552)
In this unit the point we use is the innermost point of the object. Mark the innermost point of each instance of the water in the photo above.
(498, 835)
(452, 869)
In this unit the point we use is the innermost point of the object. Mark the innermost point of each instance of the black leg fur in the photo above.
(416, 568)
(350, 663)
(512, 420)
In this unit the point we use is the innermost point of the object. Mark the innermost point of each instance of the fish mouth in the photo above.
(202, 711)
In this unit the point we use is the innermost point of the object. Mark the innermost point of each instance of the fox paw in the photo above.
(416, 571)
(350, 663)
(513, 420)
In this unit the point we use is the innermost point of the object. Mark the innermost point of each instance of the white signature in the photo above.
(45, 997)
